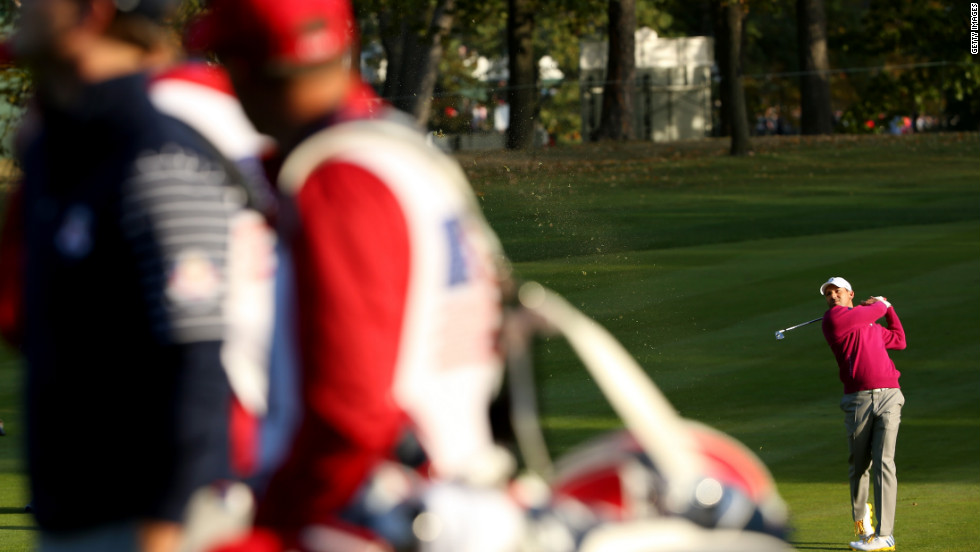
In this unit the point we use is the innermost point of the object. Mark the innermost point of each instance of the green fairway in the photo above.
(16, 526)
(694, 259)
(705, 334)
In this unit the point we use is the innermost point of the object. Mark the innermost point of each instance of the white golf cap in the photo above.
(836, 281)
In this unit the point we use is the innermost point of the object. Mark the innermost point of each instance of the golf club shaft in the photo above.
(803, 324)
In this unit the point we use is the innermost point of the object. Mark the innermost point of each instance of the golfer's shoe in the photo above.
(874, 544)
(864, 528)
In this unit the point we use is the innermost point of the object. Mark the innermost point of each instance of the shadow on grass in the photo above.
(13, 510)
(819, 546)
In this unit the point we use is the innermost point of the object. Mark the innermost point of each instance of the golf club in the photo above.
(780, 334)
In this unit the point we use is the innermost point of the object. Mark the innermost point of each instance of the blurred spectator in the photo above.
(479, 116)
(501, 116)
(261, 370)
(900, 125)
(400, 289)
(121, 244)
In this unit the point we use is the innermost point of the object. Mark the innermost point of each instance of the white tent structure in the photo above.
(672, 98)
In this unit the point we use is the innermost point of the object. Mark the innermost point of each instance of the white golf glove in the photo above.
(883, 300)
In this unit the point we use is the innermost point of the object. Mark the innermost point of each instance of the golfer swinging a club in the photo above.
(872, 403)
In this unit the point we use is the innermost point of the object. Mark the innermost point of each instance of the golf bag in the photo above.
(661, 484)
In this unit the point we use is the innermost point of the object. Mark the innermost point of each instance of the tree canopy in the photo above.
(886, 58)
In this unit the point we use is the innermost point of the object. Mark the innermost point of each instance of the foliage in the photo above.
(891, 58)
(457, 92)
(770, 30)
(16, 87)
(187, 10)
(480, 31)
(564, 24)
(928, 65)
(480, 25)
(16, 84)
(559, 28)
(675, 18)
(561, 112)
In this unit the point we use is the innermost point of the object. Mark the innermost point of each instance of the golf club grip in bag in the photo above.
(645, 411)
(688, 458)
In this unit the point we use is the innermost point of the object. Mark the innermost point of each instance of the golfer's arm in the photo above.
(895, 333)
(843, 320)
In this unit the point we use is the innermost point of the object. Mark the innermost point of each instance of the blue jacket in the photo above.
(125, 230)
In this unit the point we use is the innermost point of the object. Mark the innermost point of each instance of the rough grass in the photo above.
(694, 259)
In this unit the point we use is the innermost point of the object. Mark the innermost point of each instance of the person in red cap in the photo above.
(398, 280)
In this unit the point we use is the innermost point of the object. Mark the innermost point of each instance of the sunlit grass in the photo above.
(693, 259)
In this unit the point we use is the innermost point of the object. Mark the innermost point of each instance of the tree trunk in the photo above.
(617, 93)
(412, 41)
(357, 47)
(729, 16)
(721, 45)
(811, 24)
(439, 27)
(522, 86)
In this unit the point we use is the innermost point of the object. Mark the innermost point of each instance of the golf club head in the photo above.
(780, 334)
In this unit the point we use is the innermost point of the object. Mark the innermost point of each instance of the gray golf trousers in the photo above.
(872, 419)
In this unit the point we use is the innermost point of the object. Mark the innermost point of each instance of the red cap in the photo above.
(276, 34)
(198, 72)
